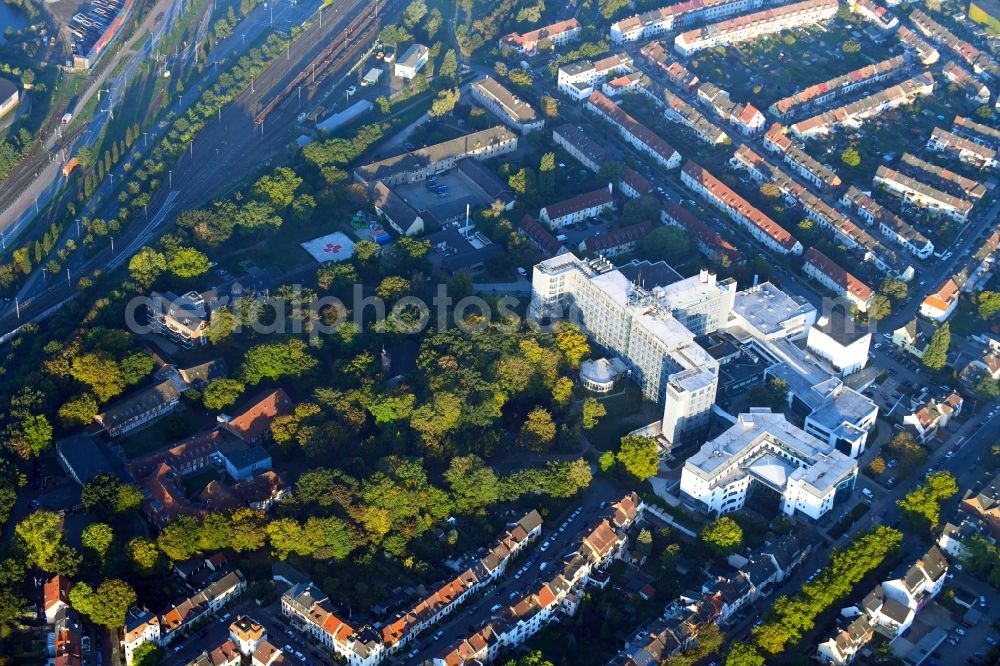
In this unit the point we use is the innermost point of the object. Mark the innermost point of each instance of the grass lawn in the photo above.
(163, 432)
(627, 411)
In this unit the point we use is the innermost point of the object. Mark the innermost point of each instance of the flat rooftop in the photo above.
(766, 307)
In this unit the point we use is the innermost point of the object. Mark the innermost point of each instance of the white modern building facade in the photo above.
(765, 450)
(651, 328)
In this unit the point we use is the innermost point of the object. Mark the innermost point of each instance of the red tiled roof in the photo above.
(599, 197)
(253, 423)
(618, 237)
(828, 267)
(57, 590)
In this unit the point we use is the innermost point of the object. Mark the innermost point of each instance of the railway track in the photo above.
(345, 45)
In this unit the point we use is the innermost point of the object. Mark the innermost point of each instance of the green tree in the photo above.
(573, 344)
(148, 654)
(593, 411)
(987, 389)
(988, 304)
(851, 157)
(538, 429)
(644, 541)
(444, 103)
(79, 411)
(222, 393)
(724, 536)
(274, 360)
(640, 456)
(107, 495)
(449, 66)
(37, 432)
(143, 555)
(923, 503)
(606, 462)
(145, 266)
(393, 288)
(97, 538)
(897, 290)
(880, 308)
(850, 46)
(743, 654)
(770, 191)
(278, 187)
(247, 530)
(936, 354)
(187, 262)
(180, 539)
(107, 605)
(473, 484)
(414, 12)
(40, 539)
(562, 392)
(877, 465)
(668, 244)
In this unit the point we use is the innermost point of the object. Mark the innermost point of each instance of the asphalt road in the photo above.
(49, 181)
(510, 585)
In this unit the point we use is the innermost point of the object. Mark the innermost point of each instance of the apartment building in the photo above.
(651, 328)
(557, 34)
(799, 160)
(973, 131)
(578, 143)
(821, 94)
(939, 304)
(920, 194)
(657, 55)
(969, 152)
(576, 209)
(633, 185)
(143, 627)
(765, 313)
(415, 166)
(841, 342)
(616, 241)
(875, 13)
(412, 61)
(752, 26)
(841, 648)
(708, 241)
(975, 90)
(512, 111)
(623, 83)
(578, 79)
(924, 50)
(554, 595)
(949, 180)
(9, 96)
(666, 19)
(817, 210)
(980, 62)
(182, 319)
(810, 476)
(890, 224)
(928, 418)
(825, 271)
(760, 226)
(855, 113)
(635, 133)
(744, 117)
(678, 111)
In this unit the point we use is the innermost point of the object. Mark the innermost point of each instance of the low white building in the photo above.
(576, 209)
(512, 111)
(810, 476)
(765, 312)
(412, 61)
(841, 342)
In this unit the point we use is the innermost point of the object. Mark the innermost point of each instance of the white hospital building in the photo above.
(651, 327)
(763, 452)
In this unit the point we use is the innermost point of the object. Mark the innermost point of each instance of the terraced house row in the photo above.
(682, 14)
(819, 211)
(855, 113)
(920, 194)
(893, 226)
(313, 613)
(875, 13)
(752, 26)
(819, 94)
(975, 90)
(557, 34)
(799, 160)
(743, 116)
(578, 79)
(957, 184)
(768, 232)
(969, 152)
(746, 581)
(143, 627)
(708, 241)
(981, 134)
(555, 595)
(827, 272)
(635, 133)
(677, 110)
(980, 62)
(921, 48)
(656, 54)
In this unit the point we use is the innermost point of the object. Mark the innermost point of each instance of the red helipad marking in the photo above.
(330, 247)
